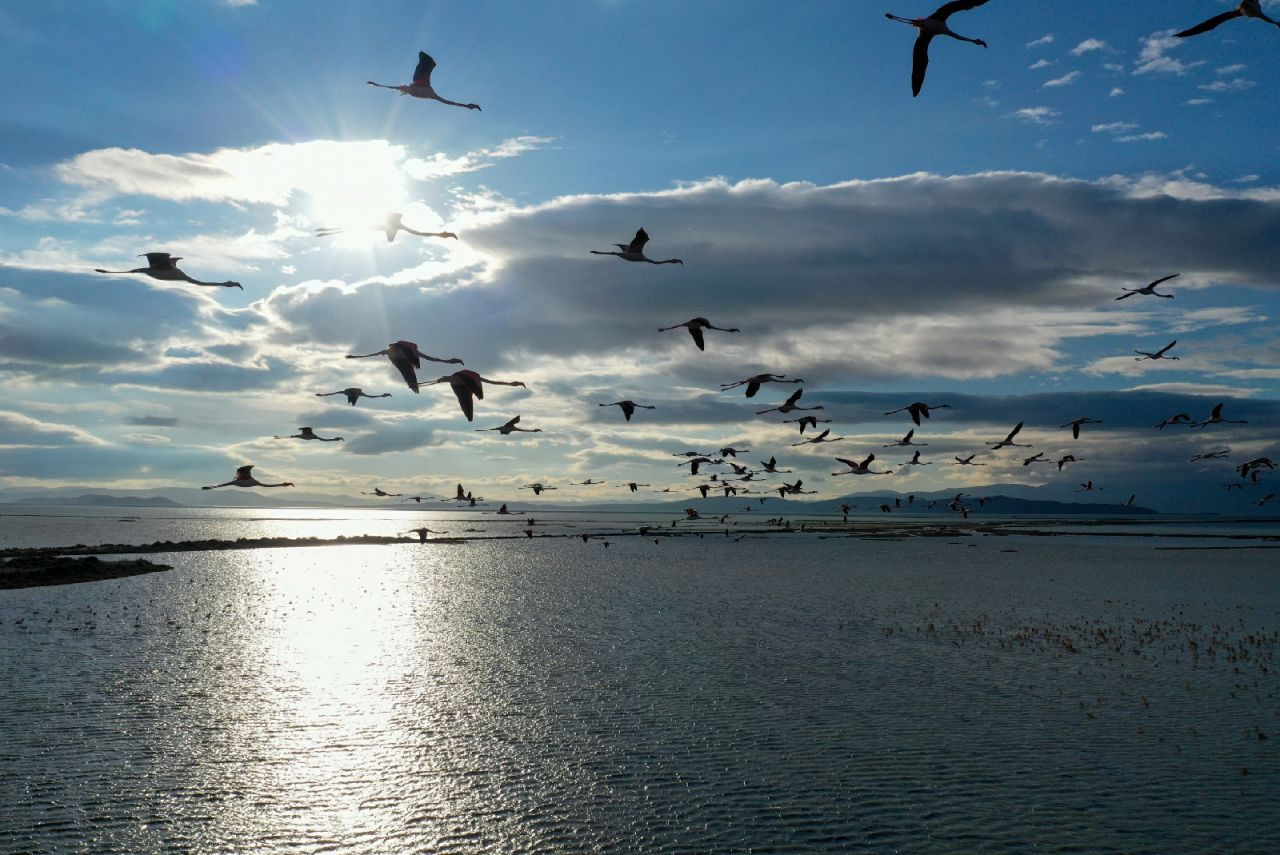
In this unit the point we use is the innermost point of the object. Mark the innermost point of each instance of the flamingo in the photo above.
(1212, 455)
(696, 326)
(789, 405)
(1246, 9)
(308, 433)
(1263, 501)
(934, 25)
(1038, 457)
(244, 478)
(771, 466)
(919, 409)
(967, 461)
(753, 383)
(633, 486)
(380, 493)
(421, 85)
(1178, 419)
(1087, 486)
(537, 488)
(1074, 424)
(730, 451)
(634, 251)
(1215, 418)
(1068, 458)
(423, 532)
(390, 226)
(814, 440)
(468, 385)
(1148, 289)
(1159, 354)
(1008, 440)
(795, 489)
(806, 421)
(1256, 463)
(860, 468)
(510, 427)
(163, 266)
(905, 441)
(461, 495)
(916, 461)
(628, 407)
(353, 393)
(405, 356)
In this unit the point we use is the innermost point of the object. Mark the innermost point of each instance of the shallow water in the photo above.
(694, 695)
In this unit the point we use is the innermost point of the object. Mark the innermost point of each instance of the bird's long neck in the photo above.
(366, 355)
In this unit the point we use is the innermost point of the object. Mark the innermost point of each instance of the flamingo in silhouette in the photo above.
(934, 25)
(905, 441)
(1008, 440)
(860, 468)
(1212, 455)
(423, 532)
(406, 357)
(1215, 418)
(753, 383)
(789, 405)
(1038, 457)
(163, 266)
(918, 410)
(1159, 354)
(353, 393)
(1149, 290)
(380, 493)
(634, 251)
(1087, 487)
(916, 461)
(468, 385)
(967, 461)
(308, 433)
(822, 437)
(1246, 9)
(628, 407)
(244, 478)
(1074, 424)
(695, 327)
(421, 85)
(1257, 463)
(806, 421)
(771, 466)
(393, 223)
(510, 427)
(1067, 458)
(537, 488)
(1178, 419)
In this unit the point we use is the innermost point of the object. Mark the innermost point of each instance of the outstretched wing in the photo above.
(422, 74)
(244, 472)
(1206, 26)
(947, 9)
(638, 242)
(920, 61)
(696, 332)
(1163, 279)
(161, 260)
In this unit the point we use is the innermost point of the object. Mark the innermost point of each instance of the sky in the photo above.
(963, 247)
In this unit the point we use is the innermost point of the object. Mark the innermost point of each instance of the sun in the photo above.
(356, 191)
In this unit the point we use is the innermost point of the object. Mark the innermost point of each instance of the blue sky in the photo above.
(962, 246)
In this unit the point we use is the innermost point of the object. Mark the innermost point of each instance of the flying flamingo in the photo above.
(1087, 486)
(421, 85)
(634, 251)
(423, 532)
(696, 326)
(1246, 9)
(1256, 463)
(1068, 458)
(537, 488)
(905, 441)
(1038, 457)
(771, 466)
(1148, 289)
(967, 461)
(1178, 419)
(730, 451)
(244, 478)
(510, 427)
(353, 393)
(1008, 440)
(380, 493)
(919, 409)
(308, 433)
(628, 407)
(916, 461)
(814, 440)
(753, 383)
(789, 405)
(806, 421)
(468, 385)
(1159, 354)
(1212, 455)
(934, 25)
(1074, 424)
(1215, 418)
(863, 468)
(405, 356)
(390, 226)
(163, 266)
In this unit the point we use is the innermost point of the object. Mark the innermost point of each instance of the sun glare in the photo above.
(357, 193)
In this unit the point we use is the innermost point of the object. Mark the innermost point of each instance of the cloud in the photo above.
(1036, 115)
(1038, 64)
(1145, 137)
(1089, 45)
(1113, 127)
(1234, 68)
(20, 430)
(1238, 84)
(1046, 39)
(152, 421)
(1115, 91)
(1154, 58)
(1065, 80)
(440, 165)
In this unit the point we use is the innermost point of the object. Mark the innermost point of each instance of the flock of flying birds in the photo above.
(468, 385)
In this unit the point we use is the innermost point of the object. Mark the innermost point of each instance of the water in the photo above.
(777, 694)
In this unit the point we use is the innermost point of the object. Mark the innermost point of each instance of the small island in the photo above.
(32, 571)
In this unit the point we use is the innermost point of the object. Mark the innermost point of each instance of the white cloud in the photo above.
(1113, 127)
(1198, 102)
(1065, 80)
(1153, 58)
(1115, 91)
(1046, 39)
(1038, 64)
(1146, 137)
(1089, 45)
(1036, 115)
(1238, 84)
(1234, 68)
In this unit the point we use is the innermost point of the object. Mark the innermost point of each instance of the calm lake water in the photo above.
(782, 693)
